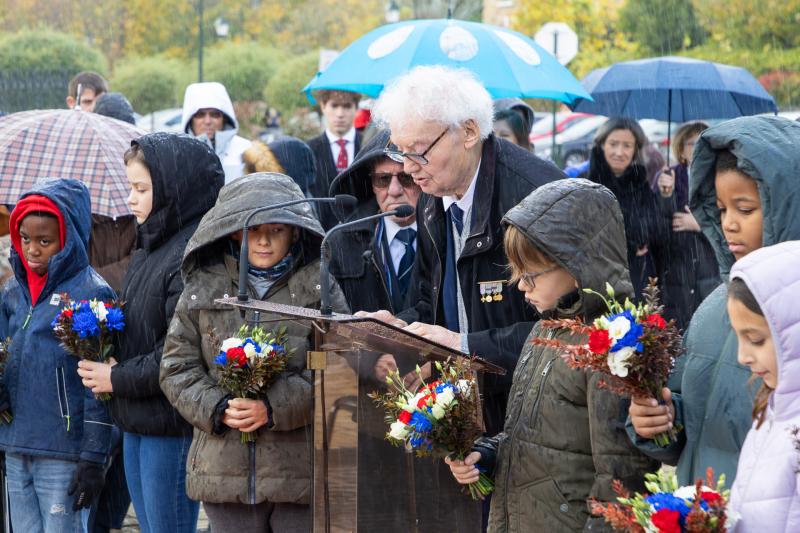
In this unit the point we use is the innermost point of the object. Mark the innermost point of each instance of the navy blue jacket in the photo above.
(54, 414)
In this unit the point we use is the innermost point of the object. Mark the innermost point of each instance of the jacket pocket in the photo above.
(543, 503)
(63, 397)
(540, 393)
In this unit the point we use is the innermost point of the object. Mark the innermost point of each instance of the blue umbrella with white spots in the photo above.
(507, 62)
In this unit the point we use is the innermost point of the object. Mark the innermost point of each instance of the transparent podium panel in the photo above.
(362, 483)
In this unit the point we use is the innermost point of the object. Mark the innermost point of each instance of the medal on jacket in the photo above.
(491, 291)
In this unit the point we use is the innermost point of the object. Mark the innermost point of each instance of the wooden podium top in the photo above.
(364, 333)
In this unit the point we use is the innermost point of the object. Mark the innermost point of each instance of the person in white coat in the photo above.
(208, 115)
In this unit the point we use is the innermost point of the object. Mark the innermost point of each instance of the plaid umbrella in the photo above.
(66, 143)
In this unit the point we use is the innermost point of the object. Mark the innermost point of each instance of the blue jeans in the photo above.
(37, 492)
(155, 468)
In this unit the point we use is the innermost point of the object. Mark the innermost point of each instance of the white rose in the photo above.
(618, 361)
(445, 398)
(688, 492)
(250, 351)
(398, 431)
(99, 310)
(437, 412)
(232, 342)
(619, 327)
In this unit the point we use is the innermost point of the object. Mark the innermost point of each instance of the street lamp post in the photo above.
(200, 40)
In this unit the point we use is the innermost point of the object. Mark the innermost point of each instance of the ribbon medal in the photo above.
(491, 291)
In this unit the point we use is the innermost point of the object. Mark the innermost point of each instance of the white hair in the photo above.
(442, 94)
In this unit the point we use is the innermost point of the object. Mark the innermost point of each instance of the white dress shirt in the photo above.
(350, 137)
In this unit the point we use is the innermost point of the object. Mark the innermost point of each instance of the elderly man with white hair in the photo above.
(441, 130)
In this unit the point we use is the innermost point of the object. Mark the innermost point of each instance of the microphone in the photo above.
(341, 201)
(325, 309)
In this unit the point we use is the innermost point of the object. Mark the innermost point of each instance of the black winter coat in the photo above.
(187, 177)
(498, 329)
(645, 223)
(690, 270)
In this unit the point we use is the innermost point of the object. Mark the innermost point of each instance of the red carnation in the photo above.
(67, 313)
(711, 498)
(666, 521)
(237, 356)
(656, 320)
(423, 401)
(599, 341)
(405, 417)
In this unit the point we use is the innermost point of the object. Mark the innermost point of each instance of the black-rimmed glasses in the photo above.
(529, 278)
(394, 154)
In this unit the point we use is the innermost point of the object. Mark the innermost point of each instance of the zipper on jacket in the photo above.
(437, 289)
(61, 385)
(549, 335)
(28, 318)
(383, 282)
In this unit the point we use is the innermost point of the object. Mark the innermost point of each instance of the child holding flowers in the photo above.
(564, 439)
(274, 493)
(762, 304)
(174, 180)
(745, 194)
(57, 443)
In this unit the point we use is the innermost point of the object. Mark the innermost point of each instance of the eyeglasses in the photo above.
(529, 278)
(382, 180)
(394, 154)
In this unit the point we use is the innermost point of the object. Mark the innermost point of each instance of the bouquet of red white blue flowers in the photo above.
(248, 362)
(5, 415)
(694, 508)
(440, 419)
(88, 328)
(632, 345)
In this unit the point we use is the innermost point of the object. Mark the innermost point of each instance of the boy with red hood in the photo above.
(57, 443)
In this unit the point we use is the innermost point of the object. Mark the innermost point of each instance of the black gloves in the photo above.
(87, 483)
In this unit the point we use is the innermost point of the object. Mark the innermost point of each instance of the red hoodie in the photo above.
(31, 204)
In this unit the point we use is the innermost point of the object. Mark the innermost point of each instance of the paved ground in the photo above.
(130, 525)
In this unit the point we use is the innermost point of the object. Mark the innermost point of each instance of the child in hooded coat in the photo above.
(762, 304)
(58, 441)
(283, 254)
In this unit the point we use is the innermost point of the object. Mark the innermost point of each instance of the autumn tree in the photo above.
(662, 26)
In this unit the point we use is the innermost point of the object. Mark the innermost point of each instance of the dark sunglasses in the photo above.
(382, 180)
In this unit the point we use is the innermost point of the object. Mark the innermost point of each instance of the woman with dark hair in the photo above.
(691, 272)
(616, 162)
(509, 125)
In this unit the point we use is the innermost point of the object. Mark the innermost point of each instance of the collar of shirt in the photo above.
(393, 227)
(350, 136)
(465, 202)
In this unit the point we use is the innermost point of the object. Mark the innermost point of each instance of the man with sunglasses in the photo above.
(372, 262)
(441, 131)
(208, 115)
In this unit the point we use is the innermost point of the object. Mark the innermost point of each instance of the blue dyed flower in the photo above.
(443, 387)
(84, 323)
(626, 332)
(420, 423)
(418, 441)
(115, 319)
(221, 359)
(665, 500)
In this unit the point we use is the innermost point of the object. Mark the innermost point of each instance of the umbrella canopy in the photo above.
(66, 143)
(674, 89)
(506, 62)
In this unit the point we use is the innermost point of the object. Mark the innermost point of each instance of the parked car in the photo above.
(162, 120)
(542, 130)
(574, 145)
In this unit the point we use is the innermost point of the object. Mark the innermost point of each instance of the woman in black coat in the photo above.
(174, 180)
(616, 162)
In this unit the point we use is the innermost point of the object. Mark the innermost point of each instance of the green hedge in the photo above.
(243, 68)
(150, 83)
(45, 49)
(284, 89)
